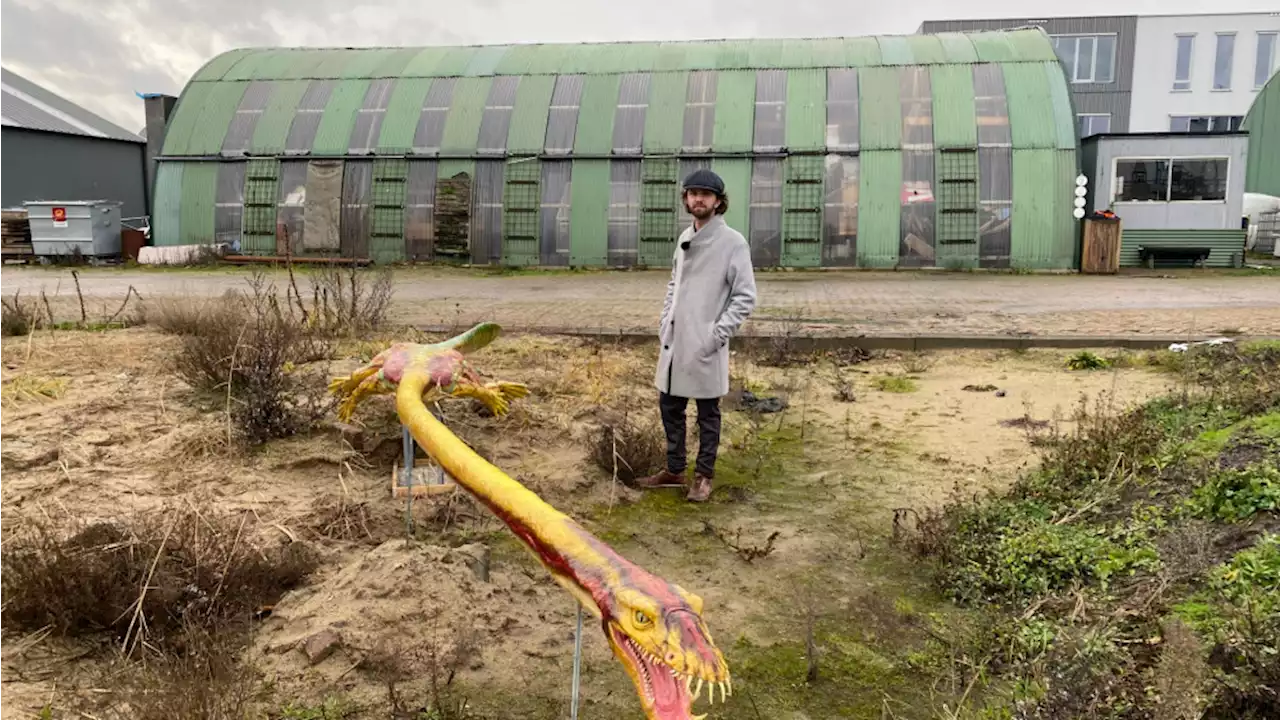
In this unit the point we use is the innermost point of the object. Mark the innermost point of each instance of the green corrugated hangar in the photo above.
(949, 150)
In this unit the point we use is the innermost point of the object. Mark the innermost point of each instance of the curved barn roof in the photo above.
(347, 101)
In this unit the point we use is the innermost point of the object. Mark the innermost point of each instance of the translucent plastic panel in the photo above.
(765, 219)
(292, 200)
(252, 103)
(554, 214)
(302, 133)
(840, 211)
(364, 135)
(486, 243)
(991, 106)
(435, 110)
(771, 110)
(842, 109)
(419, 208)
(496, 121)
(995, 207)
(700, 111)
(624, 212)
(918, 227)
(995, 174)
(228, 209)
(562, 121)
(357, 184)
(917, 108)
(628, 121)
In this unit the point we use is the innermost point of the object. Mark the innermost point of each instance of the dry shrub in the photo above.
(180, 316)
(395, 663)
(206, 681)
(151, 575)
(18, 317)
(338, 518)
(248, 349)
(628, 448)
(345, 301)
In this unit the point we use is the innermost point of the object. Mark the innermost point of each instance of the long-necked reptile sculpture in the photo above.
(654, 627)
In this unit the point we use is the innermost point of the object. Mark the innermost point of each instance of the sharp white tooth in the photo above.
(698, 691)
(711, 693)
(688, 685)
(723, 694)
(703, 716)
(728, 680)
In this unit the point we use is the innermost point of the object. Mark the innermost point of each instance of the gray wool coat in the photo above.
(712, 291)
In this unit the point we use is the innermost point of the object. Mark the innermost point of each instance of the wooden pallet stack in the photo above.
(15, 234)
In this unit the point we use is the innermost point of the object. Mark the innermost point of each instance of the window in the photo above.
(840, 211)
(228, 209)
(240, 133)
(419, 209)
(1093, 123)
(765, 213)
(1222, 61)
(1265, 58)
(1171, 180)
(916, 248)
(1205, 124)
(624, 212)
(435, 110)
(1087, 58)
(771, 110)
(1182, 62)
(306, 119)
(368, 125)
(842, 109)
(556, 176)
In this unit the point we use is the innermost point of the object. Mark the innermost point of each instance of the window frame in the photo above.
(1092, 115)
(1271, 60)
(1073, 74)
(1184, 85)
(1168, 184)
(1218, 38)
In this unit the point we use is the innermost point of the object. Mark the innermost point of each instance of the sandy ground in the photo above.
(121, 432)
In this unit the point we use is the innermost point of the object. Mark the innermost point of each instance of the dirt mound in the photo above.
(409, 597)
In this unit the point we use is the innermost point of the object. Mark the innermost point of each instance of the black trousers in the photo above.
(673, 421)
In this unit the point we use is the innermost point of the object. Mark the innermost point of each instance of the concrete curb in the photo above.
(905, 342)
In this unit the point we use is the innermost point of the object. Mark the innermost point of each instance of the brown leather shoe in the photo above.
(663, 479)
(700, 490)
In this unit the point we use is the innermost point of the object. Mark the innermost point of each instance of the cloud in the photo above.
(99, 52)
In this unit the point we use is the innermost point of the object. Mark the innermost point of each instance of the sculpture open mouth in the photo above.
(668, 693)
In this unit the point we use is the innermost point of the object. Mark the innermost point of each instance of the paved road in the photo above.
(821, 302)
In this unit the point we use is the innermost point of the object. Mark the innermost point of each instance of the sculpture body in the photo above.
(654, 627)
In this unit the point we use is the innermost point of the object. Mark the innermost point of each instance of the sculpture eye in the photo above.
(641, 618)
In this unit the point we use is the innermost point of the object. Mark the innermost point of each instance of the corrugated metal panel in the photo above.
(185, 117)
(896, 50)
(1262, 172)
(332, 63)
(879, 206)
(671, 56)
(215, 117)
(393, 63)
(456, 61)
(733, 54)
(1031, 116)
(993, 47)
(1043, 229)
(463, 125)
(637, 55)
(958, 48)
(664, 122)
(1226, 247)
(339, 116)
(928, 50)
(880, 115)
(736, 173)
(302, 66)
(249, 68)
(1031, 45)
(1056, 83)
(954, 119)
(764, 54)
(485, 60)
(426, 62)
(735, 111)
(453, 166)
(166, 215)
(861, 52)
(364, 64)
(806, 109)
(401, 118)
(217, 68)
(529, 120)
(273, 127)
(818, 53)
(589, 222)
(199, 190)
(595, 117)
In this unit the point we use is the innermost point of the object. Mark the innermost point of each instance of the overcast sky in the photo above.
(98, 52)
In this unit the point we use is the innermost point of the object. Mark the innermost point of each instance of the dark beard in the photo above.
(701, 213)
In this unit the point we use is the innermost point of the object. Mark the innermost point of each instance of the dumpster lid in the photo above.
(63, 203)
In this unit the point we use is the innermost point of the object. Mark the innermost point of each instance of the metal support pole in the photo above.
(409, 444)
(577, 666)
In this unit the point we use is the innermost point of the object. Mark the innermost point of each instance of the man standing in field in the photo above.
(711, 293)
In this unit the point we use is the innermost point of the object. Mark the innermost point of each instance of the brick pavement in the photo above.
(846, 303)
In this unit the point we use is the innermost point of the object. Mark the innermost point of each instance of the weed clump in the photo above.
(628, 449)
(1136, 550)
(896, 384)
(150, 576)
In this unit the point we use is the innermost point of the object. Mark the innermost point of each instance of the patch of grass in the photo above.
(32, 388)
(18, 317)
(1236, 495)
(1087, 360)
(896, 384)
